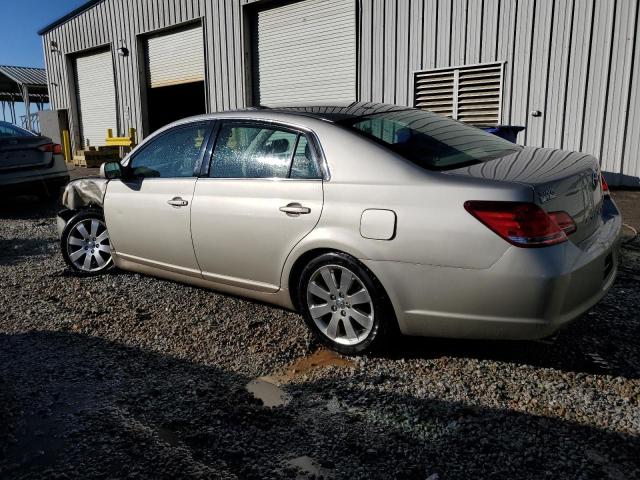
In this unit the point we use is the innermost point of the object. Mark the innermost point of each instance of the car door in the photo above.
(261, 195)
(148, 211)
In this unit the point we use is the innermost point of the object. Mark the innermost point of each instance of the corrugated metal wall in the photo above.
(574, 60)
(118, 22)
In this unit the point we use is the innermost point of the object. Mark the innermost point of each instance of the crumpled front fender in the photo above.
(84, 192)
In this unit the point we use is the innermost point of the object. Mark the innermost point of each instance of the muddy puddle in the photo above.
(307, 466)
(269, 389)
(269, 393)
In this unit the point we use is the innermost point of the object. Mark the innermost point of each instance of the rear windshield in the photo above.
(8, 130)
(431, 141)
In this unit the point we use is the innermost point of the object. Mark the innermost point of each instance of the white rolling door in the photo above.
(306, 53)
(96, 94)
(175, 58)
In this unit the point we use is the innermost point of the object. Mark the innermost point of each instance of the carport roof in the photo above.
(12, 79)
(29, 76)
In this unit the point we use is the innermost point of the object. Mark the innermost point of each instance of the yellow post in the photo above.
(66, 145)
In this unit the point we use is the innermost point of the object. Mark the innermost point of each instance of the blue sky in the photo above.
(20, 21)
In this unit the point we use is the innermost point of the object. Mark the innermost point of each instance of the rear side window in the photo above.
(8, 130)
(304, 165)
(431, 141)
(253, 151)
(174, 154)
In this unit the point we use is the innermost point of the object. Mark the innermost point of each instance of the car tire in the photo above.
(344, 305)
(85, 243)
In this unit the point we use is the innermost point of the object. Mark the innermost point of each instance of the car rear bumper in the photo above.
(35, 179)
(56, 169)
(526, 294)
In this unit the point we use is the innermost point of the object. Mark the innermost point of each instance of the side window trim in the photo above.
(205, 144)
(207, 156)
(209, 127)
(316, 151)
(293, 155)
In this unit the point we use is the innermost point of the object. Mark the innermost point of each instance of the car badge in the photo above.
(547, 195)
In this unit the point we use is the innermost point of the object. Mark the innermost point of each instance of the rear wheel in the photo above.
(343, 304)
(85, 243)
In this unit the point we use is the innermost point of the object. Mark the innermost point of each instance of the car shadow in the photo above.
(569, 355)
(603, 341)
(81, 406)
(28, 207)
(16, 250)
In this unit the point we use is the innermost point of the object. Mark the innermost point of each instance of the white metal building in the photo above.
(567, 70)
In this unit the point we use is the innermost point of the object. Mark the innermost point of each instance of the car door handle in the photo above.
(177, 202)
(295, 209)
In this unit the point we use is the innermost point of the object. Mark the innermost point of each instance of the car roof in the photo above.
(16, 127)
(335, 112)
(323, 113)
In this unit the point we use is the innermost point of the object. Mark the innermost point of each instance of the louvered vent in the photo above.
(469, 94)
(435, 91)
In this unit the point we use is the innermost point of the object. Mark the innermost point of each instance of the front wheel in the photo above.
(343, 304)
(85, 243)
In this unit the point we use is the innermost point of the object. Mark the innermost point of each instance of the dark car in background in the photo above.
(29, 163)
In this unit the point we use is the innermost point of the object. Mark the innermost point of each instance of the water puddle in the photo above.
(265, 390)
(268, 388)
(308, 467)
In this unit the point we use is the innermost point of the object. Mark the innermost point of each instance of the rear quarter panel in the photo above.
(432, 225)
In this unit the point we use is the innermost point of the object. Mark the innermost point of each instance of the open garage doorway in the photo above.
(167, 104)
(175, 71)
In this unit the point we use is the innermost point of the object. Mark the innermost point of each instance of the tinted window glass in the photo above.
(8, 130)
(252, 152)
(430, 140)
(173, 154)
(304, 165)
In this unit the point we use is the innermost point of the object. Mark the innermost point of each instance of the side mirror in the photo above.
(111, 170)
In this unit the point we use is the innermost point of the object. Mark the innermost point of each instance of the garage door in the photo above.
(175, 58)
(306, 53)
(96, 97)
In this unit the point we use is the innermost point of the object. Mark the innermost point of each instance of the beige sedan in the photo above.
(367, 219)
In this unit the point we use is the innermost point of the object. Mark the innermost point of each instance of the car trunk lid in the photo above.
(22, 152)
(562, 181)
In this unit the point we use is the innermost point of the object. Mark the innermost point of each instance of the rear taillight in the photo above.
(605, 186)
(564, 221)
(54, 148)
(519, 223)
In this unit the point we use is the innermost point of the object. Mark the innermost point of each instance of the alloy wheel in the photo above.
(88, 245)
(340, 304)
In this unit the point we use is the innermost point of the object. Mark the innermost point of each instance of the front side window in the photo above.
(174, 154)
(253, 151)
(431, 141)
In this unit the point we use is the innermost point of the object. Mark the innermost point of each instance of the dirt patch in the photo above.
(268, 388)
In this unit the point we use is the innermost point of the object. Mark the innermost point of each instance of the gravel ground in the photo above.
(130, 376)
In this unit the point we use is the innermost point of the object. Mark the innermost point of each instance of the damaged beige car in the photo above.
(364, 218)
